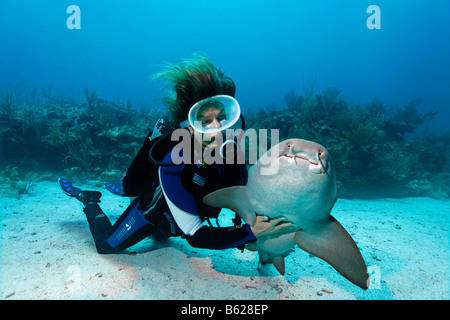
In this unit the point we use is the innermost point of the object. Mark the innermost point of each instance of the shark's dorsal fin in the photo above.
(329, 241)
(234, 198)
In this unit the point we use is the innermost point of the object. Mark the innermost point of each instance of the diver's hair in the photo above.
(192, 80)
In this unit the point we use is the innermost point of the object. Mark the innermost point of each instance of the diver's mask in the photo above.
(215, 114)
(209, 116)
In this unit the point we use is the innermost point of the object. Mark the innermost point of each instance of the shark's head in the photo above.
(295, 172)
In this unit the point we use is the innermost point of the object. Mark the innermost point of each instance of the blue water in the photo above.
(267, 47)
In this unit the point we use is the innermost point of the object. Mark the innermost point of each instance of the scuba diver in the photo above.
(168, 196)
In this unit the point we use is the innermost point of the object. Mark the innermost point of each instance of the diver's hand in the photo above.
(266, 227)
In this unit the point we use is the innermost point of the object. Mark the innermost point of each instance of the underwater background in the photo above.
(79, 101)
(369, 80)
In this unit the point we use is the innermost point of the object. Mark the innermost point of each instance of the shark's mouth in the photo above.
(301, 157)
(319, 166)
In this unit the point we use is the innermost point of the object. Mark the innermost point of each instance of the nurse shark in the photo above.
(296, 180)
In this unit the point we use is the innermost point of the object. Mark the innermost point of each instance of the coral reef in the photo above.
(46, 133)
(375, 154)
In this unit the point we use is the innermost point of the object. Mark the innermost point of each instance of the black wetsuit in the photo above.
(149, 214)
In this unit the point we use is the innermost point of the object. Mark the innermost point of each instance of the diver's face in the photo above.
(210, 116)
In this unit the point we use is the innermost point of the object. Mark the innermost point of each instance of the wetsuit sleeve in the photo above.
(183, 206)
(222, 238)
(187, 219)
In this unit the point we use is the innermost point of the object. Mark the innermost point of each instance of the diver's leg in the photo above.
(162, 220)
(99, 223)
(128, 230)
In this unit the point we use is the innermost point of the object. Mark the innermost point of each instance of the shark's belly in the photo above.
(279, 246)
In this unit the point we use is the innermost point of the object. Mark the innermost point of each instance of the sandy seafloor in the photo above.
(47, 253)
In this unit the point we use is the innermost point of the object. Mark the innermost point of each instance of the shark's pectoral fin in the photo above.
(330, 242)
(234, 198)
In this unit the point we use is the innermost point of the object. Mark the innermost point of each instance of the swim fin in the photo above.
(116, 188)
(83, 196)
(68, 188)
